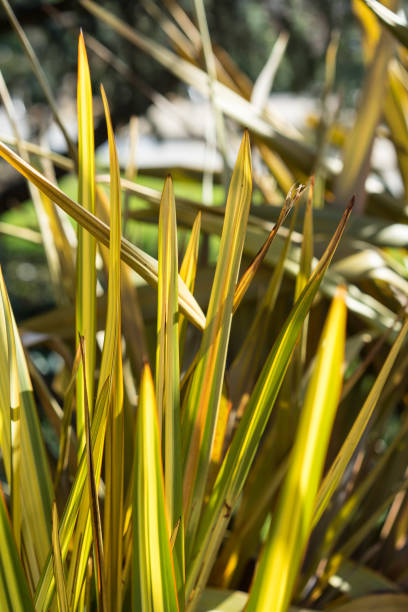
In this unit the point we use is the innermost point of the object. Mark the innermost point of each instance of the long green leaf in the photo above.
(248, 361)
(201, 409)
(111, 368)
(292, 522)
(57, 562)
(188, 270)
(154, 586)
(112, 364)
(168, 376)
(333, 477)
(86, 251)
(94, 502)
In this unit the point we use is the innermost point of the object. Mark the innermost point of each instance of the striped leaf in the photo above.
(153, 585)
(201, 409)
(292, 522)
(168, 375)
(28, 464)
(86, 250)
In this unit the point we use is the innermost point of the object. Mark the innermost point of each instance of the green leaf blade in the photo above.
(168, 375)
(154, 586)
(292, 522)
(86, 250)
(202, 403)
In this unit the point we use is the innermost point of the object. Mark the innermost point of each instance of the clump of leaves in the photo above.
(179, 478)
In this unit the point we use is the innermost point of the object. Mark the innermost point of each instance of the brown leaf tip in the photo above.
(351, 203)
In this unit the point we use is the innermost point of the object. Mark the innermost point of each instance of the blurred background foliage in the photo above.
(52, 29)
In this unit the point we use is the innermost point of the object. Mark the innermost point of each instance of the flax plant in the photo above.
(226, 463)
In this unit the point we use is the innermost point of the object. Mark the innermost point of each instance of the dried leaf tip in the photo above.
(351, 203)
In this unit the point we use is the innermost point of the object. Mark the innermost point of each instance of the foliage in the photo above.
(272, 428)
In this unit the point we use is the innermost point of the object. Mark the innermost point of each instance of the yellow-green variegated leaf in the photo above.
(141, 262)
(153, 585)
(168, 375)
(202, 402)
(249, 359)
(86, 250)
(24, 445)
(110, 368)
(305, 270)
(336, 471)
(57, 562)
(249, 274)
(188, 271)
(292, 522)
(14, 591)
(111, 365)
(11, 391)
(245, 442)
(94, 501)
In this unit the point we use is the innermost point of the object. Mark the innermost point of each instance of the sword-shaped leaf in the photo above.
(168, 375)
(86, 250)
(202, 402)
(188, 271)
(112, 363)
(292, 521)
(111, 368)
(154, 585)
(33, 473)
(57, 562)
(333, 477)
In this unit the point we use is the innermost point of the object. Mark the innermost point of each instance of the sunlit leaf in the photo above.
(57, 561)
(202, 402)
(292, 522)
(145, 265)
(153, 585)
(333, 477)
(85, 300)
(244, 445)
(188, 271)
(168, 375)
